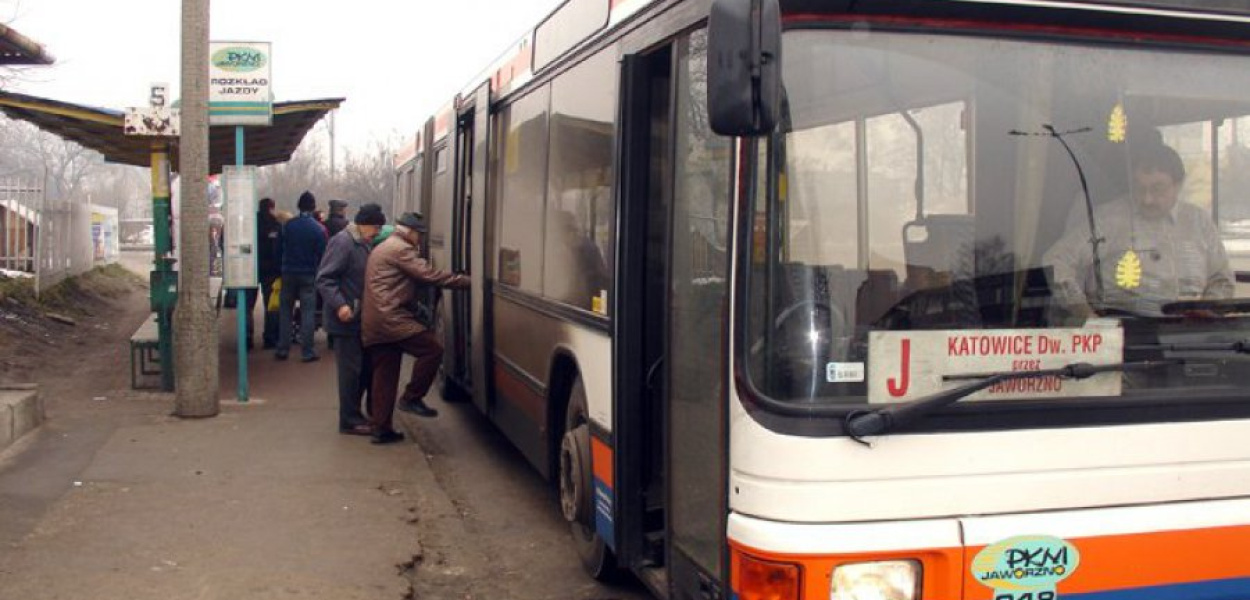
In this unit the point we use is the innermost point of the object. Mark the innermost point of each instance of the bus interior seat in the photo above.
(876, 296)
(859, 296)
(941, 267)
(1015, 299)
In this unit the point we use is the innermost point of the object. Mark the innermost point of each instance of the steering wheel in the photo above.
(799, 356)
(824, 333)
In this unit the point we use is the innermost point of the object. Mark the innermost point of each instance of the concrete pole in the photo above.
(195, 323)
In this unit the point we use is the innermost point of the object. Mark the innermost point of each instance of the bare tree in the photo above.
(305, 171)
(367, 175)
(28, 151)
(126, 188)
(363, 177)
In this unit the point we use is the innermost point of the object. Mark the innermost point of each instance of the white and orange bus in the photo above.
(768, 288)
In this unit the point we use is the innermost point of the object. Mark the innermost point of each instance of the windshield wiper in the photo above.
(1234, 347)
(1220, 307)
(862, 424)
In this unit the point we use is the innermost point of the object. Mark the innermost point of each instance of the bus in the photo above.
(768, 289)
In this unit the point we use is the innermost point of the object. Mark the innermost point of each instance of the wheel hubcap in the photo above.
(570, 484)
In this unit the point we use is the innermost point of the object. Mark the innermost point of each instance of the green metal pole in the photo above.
(164, 282)
(241, 298)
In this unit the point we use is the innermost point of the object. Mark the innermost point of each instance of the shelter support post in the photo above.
(163, 290)
(241, 299)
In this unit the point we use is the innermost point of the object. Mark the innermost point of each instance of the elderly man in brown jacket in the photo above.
(389, 325)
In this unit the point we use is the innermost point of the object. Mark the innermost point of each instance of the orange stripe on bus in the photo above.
(1159, 558)
(530, 402)
(601, 461)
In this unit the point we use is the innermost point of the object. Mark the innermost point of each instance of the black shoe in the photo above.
(310, 358)
(359, 429)
(388, 437)
(417, 407)
(279, 355)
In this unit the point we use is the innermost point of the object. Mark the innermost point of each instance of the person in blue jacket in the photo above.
(303, 245)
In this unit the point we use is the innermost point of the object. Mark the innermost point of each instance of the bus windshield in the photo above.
(936, 206)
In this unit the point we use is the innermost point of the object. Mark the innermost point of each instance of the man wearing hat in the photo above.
(341, 283)
(303, 244)
(337, 221)
(390, 327)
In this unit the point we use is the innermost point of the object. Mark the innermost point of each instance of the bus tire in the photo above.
(577, 487)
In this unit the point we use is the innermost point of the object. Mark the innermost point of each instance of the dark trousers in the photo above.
(270, 336)
(387, 359)
(355, 377)
(297, 287)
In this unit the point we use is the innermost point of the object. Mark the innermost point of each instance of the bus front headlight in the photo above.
(885, 580)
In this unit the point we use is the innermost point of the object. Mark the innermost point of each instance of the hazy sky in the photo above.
(396, 61)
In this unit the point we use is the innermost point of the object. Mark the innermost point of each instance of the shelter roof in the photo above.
(17, 49)
(101, 129)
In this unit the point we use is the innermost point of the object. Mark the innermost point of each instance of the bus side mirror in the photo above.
(744, 66)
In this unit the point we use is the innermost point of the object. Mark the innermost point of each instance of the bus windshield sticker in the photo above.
(1027, 567)
(904, 365)
(844, 372)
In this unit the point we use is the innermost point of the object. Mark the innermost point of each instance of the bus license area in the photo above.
(905, 365)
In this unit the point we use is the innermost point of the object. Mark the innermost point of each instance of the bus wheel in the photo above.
(577, 490)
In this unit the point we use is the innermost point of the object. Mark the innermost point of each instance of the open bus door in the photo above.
(670, 429)
(463, 370)
(473, 152)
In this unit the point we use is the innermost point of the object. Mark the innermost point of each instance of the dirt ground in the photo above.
(460, 515)
(71, 324)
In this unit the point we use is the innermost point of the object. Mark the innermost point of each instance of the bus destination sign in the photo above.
(905, 365)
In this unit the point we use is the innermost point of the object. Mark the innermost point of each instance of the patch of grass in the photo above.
(21, 290)
(74, 295)
(116, 271)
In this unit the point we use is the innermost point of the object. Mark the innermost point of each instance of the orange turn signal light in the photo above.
(765, 580)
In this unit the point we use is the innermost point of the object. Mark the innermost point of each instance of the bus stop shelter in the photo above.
(102, 130)
(17, 49)
(105, 131)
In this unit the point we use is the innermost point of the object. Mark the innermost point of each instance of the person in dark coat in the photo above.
(337, 221)
(269, 267)
(303, 244)
(390, 328)
(341, 283)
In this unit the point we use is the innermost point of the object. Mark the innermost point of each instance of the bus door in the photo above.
(670, 420)
(468, 347)
(456, 360)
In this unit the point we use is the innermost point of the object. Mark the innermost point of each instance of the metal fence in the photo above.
(48, 237)
(20, 204)
(56, 240)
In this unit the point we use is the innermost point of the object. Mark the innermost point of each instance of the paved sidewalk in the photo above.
(266, 500)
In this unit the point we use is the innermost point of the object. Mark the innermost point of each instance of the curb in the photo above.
(21, 411)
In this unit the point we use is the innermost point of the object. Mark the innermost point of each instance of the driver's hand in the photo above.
(1204, 314)
(345, 313)
(1081, 312)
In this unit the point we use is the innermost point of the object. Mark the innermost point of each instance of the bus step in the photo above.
(655, 548)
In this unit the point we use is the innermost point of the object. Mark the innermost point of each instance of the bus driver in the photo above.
(1154, 249)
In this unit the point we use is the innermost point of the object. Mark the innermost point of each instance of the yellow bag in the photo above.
(271, 304)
